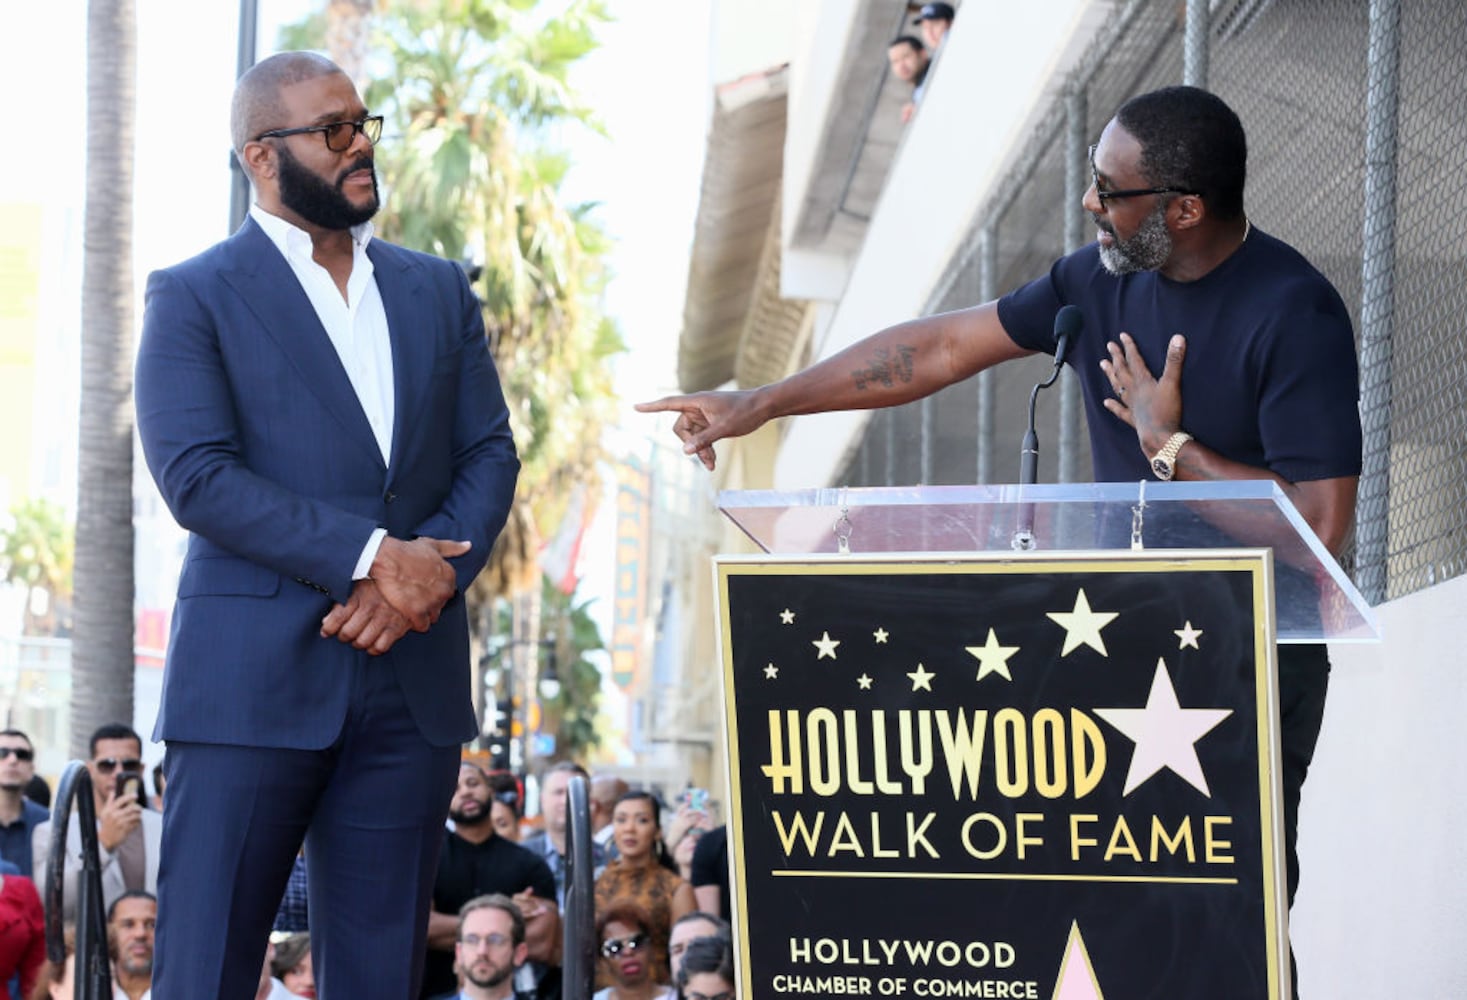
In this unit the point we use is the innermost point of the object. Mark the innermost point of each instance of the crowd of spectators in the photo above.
(494, 931)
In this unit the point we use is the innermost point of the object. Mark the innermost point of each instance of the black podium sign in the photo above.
(1022, 777)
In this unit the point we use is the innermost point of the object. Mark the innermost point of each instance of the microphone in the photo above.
(1068, 323)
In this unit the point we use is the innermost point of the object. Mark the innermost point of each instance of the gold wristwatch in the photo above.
(1163, 463)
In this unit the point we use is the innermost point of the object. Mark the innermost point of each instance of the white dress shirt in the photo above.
(356, 326)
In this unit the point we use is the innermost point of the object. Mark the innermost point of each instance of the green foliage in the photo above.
(572, 636)
(37, 551)
(573, 711)
(472, 90)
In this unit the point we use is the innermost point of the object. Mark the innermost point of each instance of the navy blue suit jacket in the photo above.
(261, 450)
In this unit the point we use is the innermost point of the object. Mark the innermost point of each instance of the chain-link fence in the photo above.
(1357, 157)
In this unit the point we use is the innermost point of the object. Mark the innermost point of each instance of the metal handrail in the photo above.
(578, 931)
(93, 969)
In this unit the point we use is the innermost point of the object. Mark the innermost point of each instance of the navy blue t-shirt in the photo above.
(1270, 377)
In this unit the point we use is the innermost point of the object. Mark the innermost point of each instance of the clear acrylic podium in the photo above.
(1316, 600)
(1087, 675)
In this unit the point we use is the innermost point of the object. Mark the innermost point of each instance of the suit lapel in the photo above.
(269, 288)
(409, 323)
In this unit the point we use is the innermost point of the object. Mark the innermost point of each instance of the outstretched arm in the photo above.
(891, 367)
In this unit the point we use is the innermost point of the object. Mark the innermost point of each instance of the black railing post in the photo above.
(578, 938)
(93, 969)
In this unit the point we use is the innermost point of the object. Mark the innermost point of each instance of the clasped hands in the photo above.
(406, 588)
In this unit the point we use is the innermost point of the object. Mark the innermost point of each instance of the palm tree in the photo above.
(102, 644)
(476, 87)
(37, 552)
(348, 30)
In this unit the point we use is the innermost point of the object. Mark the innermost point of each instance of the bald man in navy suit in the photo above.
(320, 411)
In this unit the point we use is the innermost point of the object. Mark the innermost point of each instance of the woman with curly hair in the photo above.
(626, 960)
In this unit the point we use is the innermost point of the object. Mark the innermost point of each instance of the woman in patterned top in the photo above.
(639, 877)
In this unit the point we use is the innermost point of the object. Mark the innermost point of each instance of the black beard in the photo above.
(319, 201)
(461, 818)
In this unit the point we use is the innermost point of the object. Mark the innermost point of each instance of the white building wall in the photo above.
(1382, 906)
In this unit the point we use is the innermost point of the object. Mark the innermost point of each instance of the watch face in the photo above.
(1162, 468)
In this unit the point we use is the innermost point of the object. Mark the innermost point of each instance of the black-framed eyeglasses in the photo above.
(616, 946)
(338, 135)
(1105, 196)
(131, 765)
(20, 753)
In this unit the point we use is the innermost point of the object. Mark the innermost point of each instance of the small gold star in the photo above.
(1188, 636)
(880, 635)
(865, 681)
(826, 645)
(787, 616)
(771, 671)
(921, 678)
(1082, 626)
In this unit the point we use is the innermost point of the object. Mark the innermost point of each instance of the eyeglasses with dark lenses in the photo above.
(19, 753)
(338, 135)
(131, 765)
(616, 946)
(1105, 196)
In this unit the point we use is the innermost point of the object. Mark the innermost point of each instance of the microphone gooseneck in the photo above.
(1067, 325)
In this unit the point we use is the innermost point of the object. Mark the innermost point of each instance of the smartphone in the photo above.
(698, 799)
(131, 784)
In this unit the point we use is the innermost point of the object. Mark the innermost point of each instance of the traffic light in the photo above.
(501, 718)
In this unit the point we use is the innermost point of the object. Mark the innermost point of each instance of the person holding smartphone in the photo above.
(128, 834)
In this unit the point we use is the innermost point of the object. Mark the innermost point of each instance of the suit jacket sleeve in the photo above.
(485, 465)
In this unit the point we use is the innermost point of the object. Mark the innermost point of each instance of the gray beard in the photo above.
(1148, 250)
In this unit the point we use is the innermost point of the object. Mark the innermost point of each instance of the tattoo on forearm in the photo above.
(886, 368)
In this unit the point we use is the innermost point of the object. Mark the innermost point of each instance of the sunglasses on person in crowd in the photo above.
(107, 765)
(19, 753)
(616, 946)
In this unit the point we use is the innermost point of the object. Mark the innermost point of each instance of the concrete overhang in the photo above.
(738, 207)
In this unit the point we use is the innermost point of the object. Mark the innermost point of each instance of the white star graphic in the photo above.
(787, 616)
(826, 645)
(993, 658)
(921, 678)
(1188, 636)
(771, 671)
(865, 681)
(1082, 625)
(1164, 733)
(880, 635)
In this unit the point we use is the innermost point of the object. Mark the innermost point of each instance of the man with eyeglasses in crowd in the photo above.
(19, 816)
(476, 861)
(128, 835)
(489, 949)
(320, 411)
(1210, 350)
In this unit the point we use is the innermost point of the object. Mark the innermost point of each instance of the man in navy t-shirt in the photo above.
(1210, 351)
